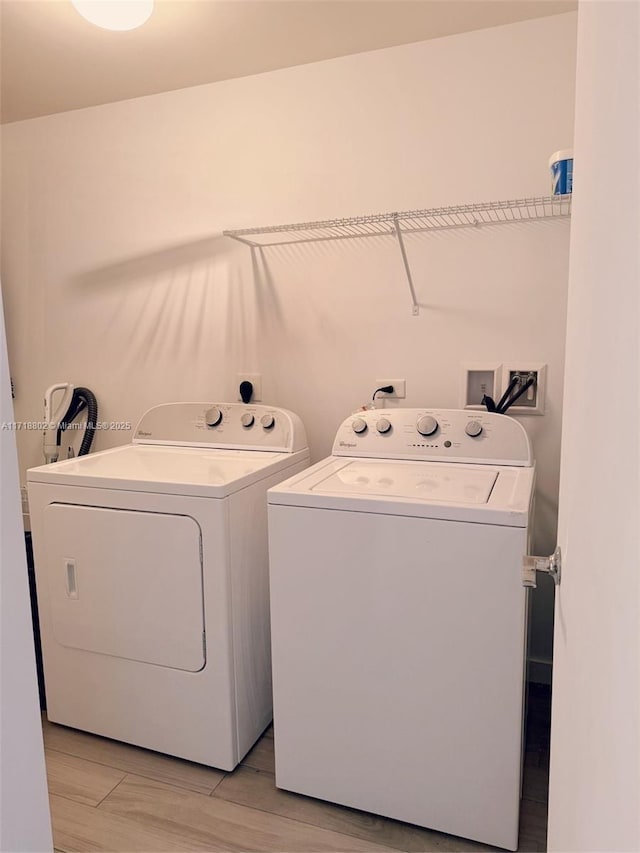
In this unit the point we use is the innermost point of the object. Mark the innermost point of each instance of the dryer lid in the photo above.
(172, 470)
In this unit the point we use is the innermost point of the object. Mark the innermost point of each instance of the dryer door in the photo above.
(126, 583)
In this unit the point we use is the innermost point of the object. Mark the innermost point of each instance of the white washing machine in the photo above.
(152, 575)
(399, 620)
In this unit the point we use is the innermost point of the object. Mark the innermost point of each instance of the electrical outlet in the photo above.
(256, 380)
(532, 401)
(478, 381)
(399, 389)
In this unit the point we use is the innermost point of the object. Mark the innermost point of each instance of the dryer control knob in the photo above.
(359, 425)
(247, 420)
(473, 429)
(213, 416)
(268, 421)
(427, 425)
(383, 425)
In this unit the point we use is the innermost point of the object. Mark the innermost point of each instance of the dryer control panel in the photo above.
(230, 426)
(451, 435)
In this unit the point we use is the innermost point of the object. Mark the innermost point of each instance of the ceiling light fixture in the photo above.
(115, 14)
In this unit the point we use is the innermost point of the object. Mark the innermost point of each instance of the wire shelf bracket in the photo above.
(415, 307)
(406, 222)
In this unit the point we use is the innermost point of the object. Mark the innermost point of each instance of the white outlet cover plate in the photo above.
(256, 381)
(399, 389)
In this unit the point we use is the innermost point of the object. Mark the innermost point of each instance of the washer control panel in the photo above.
(453, 435)
(222, 425)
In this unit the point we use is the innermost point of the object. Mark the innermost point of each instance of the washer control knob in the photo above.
(383, 425)
(359, 426)
(473, 429)
(268, 421)
(427, 425)
(247, 420)
(213, 416)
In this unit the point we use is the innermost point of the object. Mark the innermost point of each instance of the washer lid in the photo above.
(441, 483)
(172, 470)
(487, 494)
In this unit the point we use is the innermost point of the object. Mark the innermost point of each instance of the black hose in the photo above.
(500, 404)
(489, 402)
(82, 399)
(517, 396)
(92, 418)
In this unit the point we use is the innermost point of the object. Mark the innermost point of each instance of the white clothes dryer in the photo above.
(399, 620)
(152, 576)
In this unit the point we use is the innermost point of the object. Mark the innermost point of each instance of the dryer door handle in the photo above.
(72, 586)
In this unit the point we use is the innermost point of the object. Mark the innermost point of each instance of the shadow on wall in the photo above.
(311, 280)
(169, 322)
(268, 305)
(371, 266)
(157, 263)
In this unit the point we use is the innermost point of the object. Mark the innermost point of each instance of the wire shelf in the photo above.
(460, 216)
(406, 222)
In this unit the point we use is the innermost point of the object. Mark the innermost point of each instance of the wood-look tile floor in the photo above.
(108, 796)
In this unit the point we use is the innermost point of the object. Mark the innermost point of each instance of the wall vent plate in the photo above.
(479, 379)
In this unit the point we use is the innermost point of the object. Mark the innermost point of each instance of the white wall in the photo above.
(595, 745)
(24, 807)
(117, 278)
